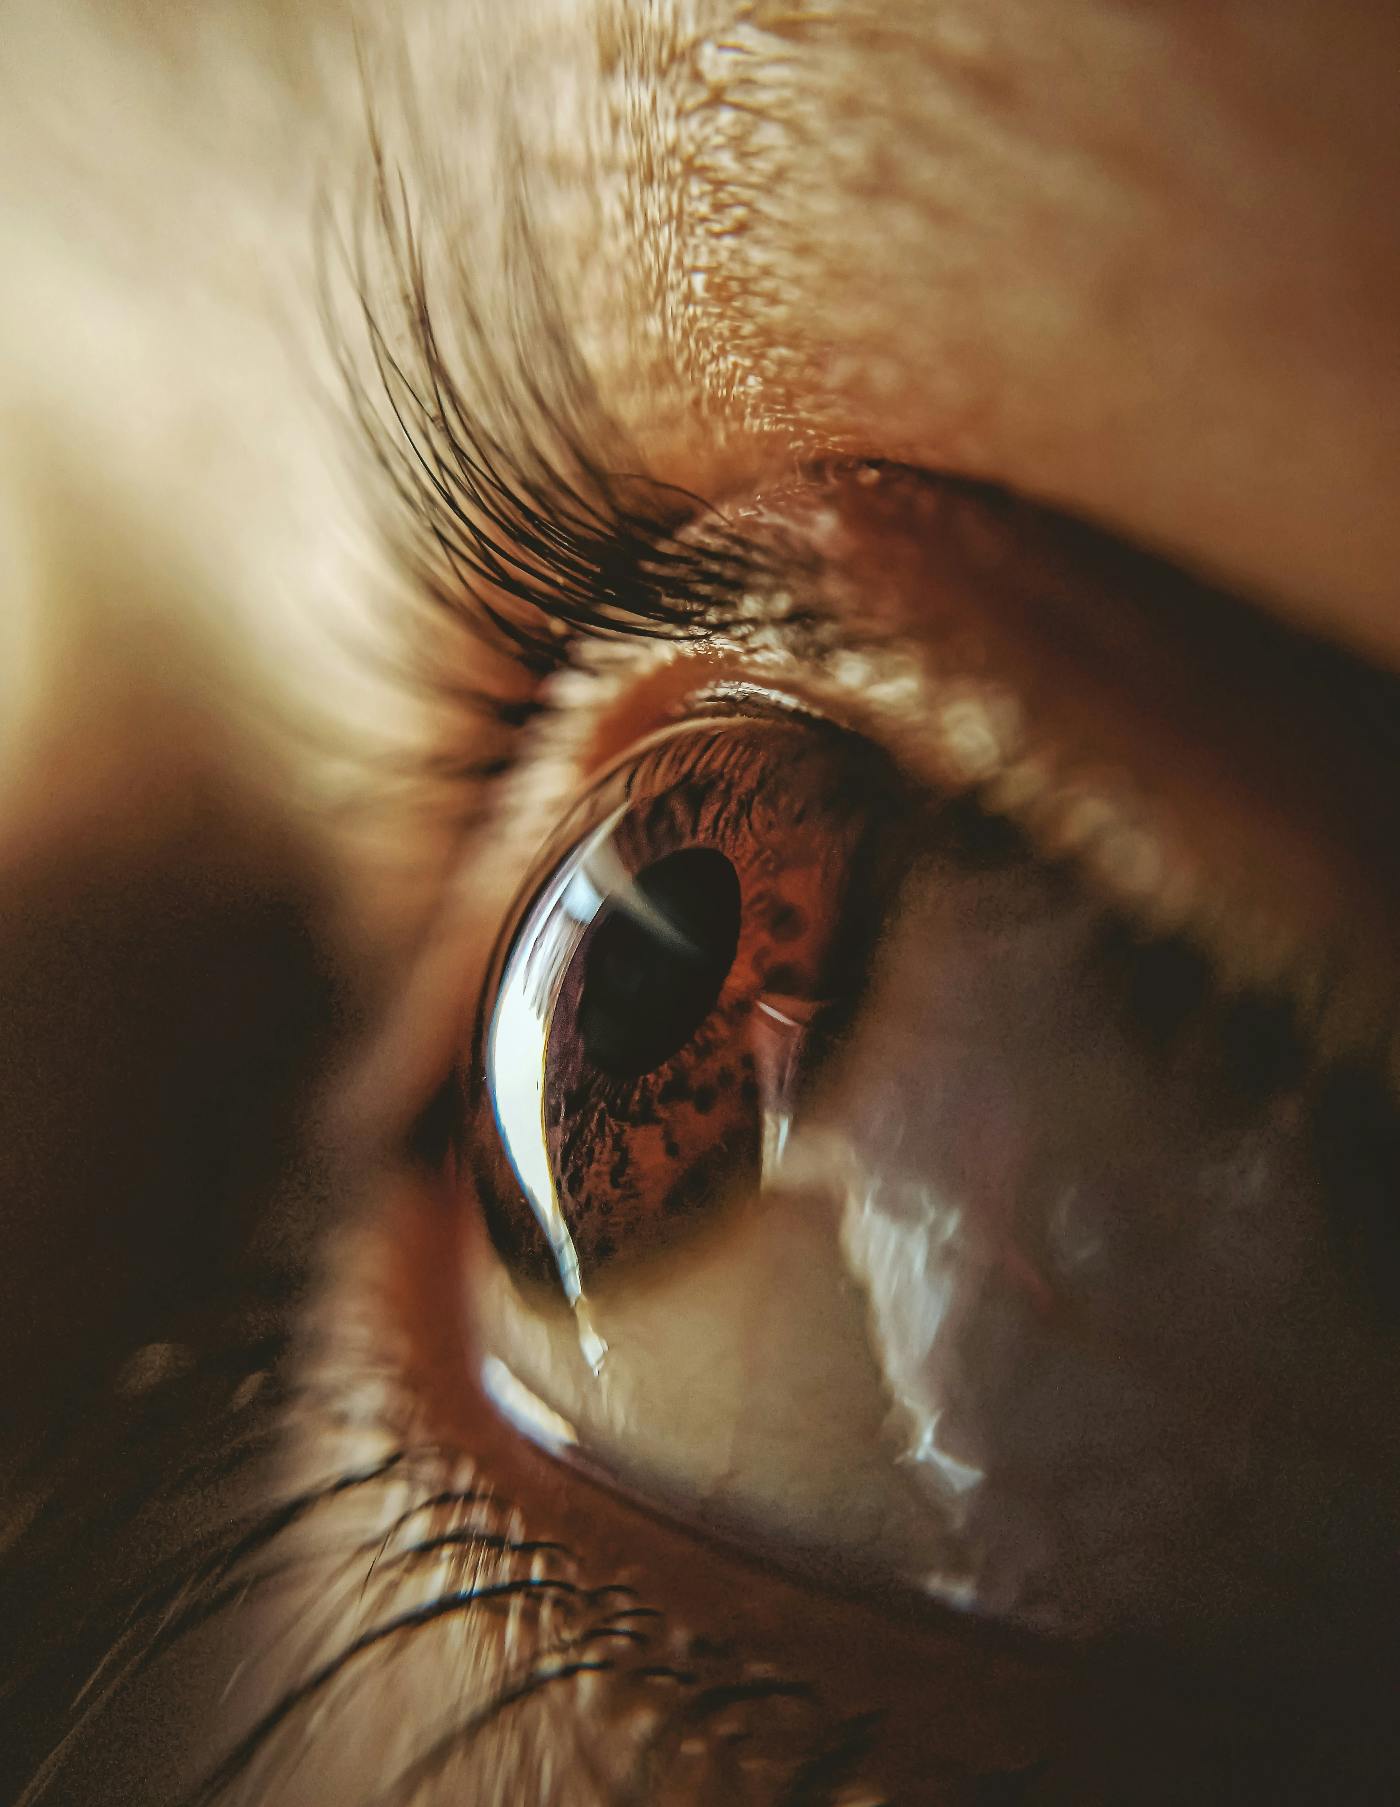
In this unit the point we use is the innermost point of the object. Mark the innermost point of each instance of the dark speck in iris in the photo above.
(785, 921)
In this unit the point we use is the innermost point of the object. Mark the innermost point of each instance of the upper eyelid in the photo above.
(718, 585)
(1344, 997)
(518, 507)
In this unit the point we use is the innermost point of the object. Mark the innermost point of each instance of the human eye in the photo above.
(861, 1174)
(861, 1266)
(1043, 1136)
(1015, 1262)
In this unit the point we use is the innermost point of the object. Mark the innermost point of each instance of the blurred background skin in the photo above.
(1137, 262)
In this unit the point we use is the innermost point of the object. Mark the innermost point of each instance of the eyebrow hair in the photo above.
(519, 508)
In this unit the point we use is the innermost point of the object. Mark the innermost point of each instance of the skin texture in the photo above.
(1131, 262)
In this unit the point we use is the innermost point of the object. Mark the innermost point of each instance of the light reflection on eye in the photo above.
(929, 1223)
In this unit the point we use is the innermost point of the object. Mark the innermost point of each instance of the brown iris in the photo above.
(688, 949)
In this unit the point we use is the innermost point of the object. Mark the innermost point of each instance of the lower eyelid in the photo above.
(733, 1616)
(949, 1709)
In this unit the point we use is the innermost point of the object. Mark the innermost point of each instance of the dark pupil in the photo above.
(653, 972)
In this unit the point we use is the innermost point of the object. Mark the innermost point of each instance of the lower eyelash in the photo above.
(574, 1631)
(80, 1572)
(299, 1540)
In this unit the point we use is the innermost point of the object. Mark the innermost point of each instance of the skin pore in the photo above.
(1130, 263)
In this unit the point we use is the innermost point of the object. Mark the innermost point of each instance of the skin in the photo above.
(1132, 263)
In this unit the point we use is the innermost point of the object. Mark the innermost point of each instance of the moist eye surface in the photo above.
(863, 1186)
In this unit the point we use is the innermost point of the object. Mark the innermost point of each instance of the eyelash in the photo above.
(518, 509)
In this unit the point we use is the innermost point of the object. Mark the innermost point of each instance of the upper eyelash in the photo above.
(518, 507)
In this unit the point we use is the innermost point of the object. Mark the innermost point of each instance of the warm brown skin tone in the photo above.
(1137, 263)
